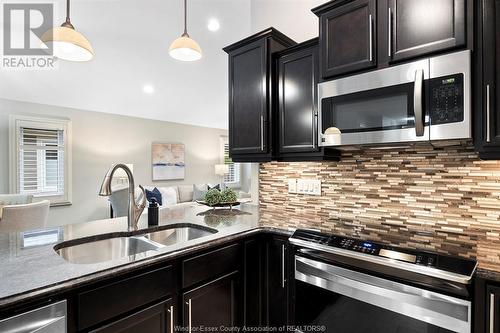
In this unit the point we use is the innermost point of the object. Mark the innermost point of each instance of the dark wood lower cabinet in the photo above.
(212, 306)
(233, 288)
(492, 309)
(154, 319)
(253, 282)
(277, 282)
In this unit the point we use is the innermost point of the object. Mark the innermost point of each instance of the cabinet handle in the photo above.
(389, 40)
(315, 131)
(188, 303)
(283, 280)
(262, 133)
(492, 313)
(417, 103)
(488, 110)
(171, 311)
(370, 24)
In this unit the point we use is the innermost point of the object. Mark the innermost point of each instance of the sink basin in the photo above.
(105, 249)
(96, 251)
(178, 235)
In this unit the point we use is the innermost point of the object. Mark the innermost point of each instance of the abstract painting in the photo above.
(168, 161)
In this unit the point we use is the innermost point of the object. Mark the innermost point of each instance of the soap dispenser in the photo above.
(153, 210)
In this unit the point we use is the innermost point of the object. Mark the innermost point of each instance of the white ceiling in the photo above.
(131, 40)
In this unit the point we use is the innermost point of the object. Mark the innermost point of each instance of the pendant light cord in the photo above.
(67, 11)
(67, 23)
(185, 19)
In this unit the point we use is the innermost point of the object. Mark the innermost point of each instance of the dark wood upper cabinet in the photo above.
(298, 71)
(487, 106)
(420, 27)
(347, 37)
(212, 304)
(357, 35)
(252, 85)
(297, 80)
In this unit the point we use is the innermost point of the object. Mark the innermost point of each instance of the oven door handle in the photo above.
(418, 105)
(436, 309)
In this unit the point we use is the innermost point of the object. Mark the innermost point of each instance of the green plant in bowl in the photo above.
(213, 197)
(228, 195)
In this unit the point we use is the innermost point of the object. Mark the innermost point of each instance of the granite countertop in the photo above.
(29, 270)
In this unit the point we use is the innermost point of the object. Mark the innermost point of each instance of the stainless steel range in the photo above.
(347, 285)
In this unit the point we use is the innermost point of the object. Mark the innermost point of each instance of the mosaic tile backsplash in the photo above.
(439, 199)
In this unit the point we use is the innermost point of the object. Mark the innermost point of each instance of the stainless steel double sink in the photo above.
(136, 245)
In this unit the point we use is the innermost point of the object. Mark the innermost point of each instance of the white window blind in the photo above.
(40, 158)
(233, 176)
(41, 161)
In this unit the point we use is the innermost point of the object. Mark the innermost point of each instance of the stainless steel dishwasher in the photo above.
(48, 319)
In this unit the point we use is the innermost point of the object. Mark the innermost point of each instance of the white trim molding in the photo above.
(46, 123)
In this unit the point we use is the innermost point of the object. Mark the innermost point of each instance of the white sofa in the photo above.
(172, 197)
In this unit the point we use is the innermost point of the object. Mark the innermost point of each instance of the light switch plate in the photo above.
(292, 186)
(308, 186)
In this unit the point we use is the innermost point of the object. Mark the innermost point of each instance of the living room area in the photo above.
(62, 128)
(61, 155)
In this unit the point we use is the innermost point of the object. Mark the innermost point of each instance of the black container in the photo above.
(153, 211)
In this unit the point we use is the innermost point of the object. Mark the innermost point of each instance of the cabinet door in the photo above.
(253, 270)
(212, 305)
(277, 285)
(493, 309)
(419, 27)
(298, 101)
(248, 89)
(158, 318)
(347, 38)
(491, 74)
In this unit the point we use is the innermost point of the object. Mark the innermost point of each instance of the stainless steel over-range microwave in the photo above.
(425, 100)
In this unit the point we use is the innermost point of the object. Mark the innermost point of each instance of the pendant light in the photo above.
(184, 48)
(67, 43)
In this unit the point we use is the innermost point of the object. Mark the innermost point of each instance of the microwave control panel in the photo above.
(446, 99)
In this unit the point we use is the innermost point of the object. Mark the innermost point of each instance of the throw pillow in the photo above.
(155, 193)
(217, 187)
(169, 195)
(185, 193)
(199, 191)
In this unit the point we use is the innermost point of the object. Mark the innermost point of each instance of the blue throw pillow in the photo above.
(155, 193)
(217, 187)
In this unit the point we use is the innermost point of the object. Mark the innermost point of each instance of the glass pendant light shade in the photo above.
(185, 48)
(68, 44)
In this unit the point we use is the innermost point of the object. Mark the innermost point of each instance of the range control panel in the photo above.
(446, 99)
(368, 247)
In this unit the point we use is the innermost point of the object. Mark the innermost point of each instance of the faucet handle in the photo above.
(139, 207)
(142, 204)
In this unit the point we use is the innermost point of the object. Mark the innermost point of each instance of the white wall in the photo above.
(292, 17)
(101, 139)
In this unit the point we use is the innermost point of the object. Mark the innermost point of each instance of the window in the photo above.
(40, 157)
(232, 178)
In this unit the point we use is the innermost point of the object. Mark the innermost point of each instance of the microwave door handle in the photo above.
(418, 107)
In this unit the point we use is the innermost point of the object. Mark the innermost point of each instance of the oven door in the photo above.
(383, 106)
(339, 300)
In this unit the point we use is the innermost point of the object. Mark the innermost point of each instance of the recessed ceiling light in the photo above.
(148, 89)
(213, 24)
